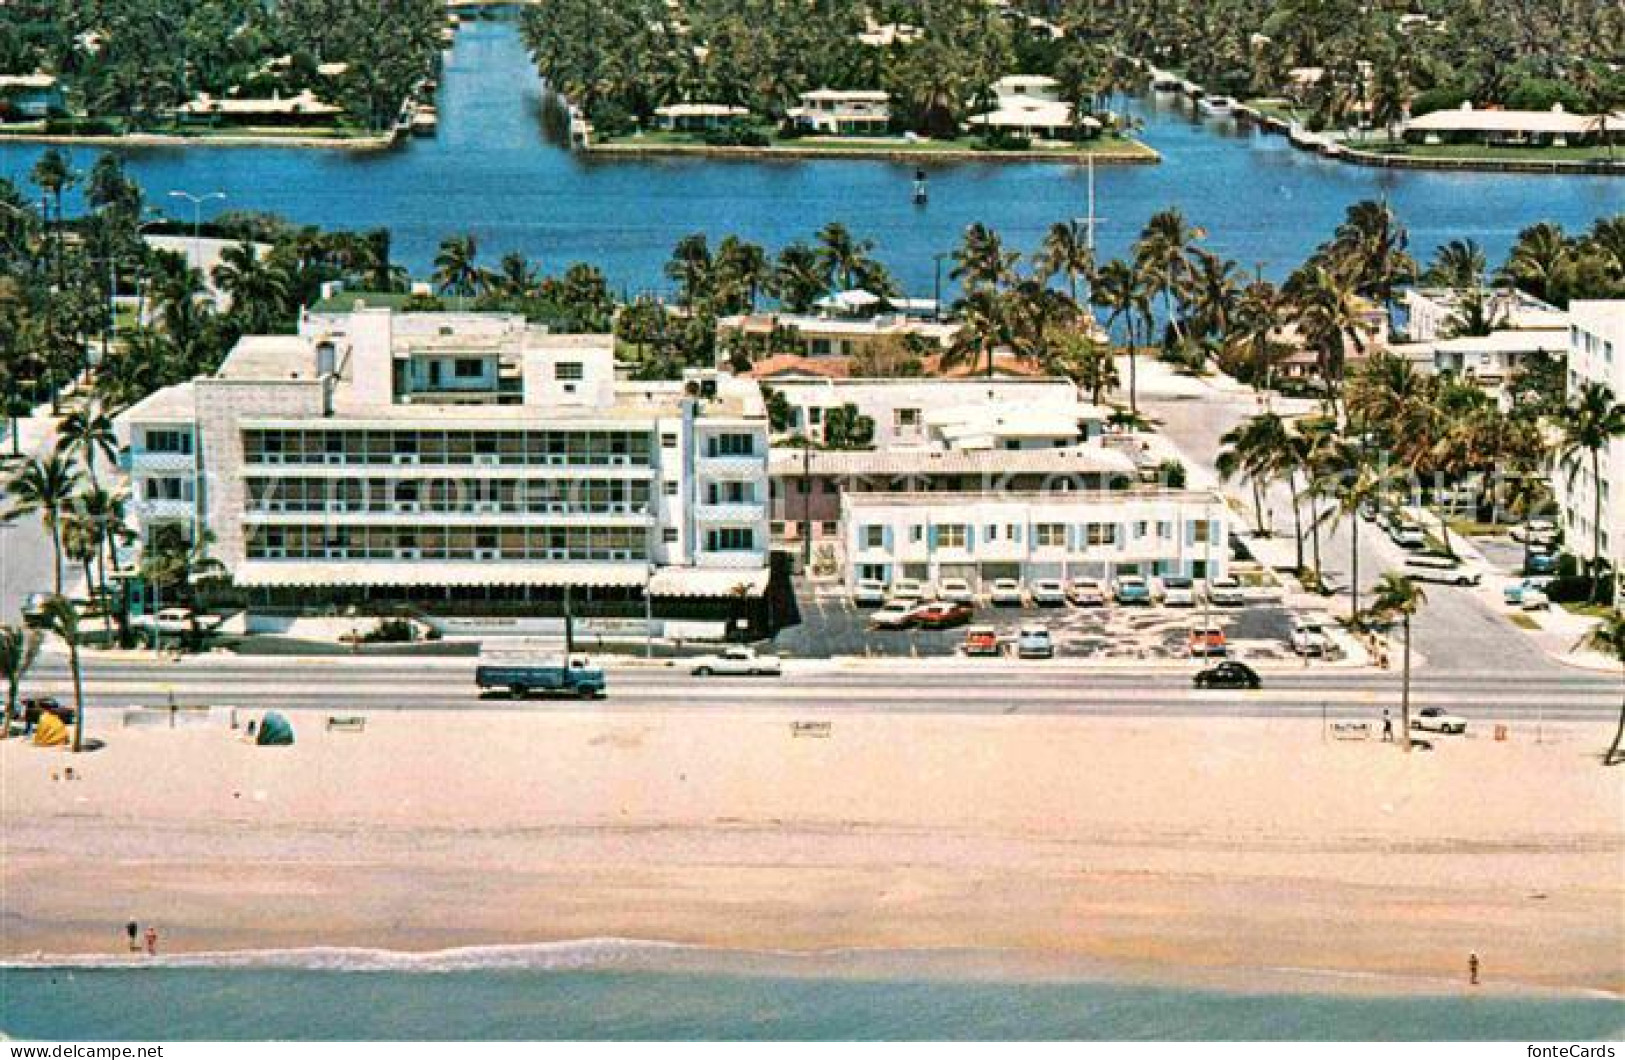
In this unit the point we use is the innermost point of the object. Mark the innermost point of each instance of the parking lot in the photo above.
(832, 626)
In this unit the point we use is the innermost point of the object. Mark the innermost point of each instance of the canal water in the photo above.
(492, 172)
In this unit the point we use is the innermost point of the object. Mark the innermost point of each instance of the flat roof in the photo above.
(269, 358)
(959, 500)
(1093, 459)
(258, 574)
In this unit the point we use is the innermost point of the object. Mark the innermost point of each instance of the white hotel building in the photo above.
(1596, 354)
(463, 463)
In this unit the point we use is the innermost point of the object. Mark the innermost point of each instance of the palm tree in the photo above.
(1372, 246)
(980, 260)
(103, 509)
(1608, 637)
(1593, 421)
(515, 276)
(1330, 318)
(1252, 450)
(843, 257)
(1459, 265)
(1540, 261)
(1162, 254)
(87, 434)
(53, 175)
(455, 269)
(45, 485)
(1399, 597)
(1064, 253)
(693, 270)
(18, 647)
(1089, 364)
(986, 327)
(1119, 290)
(61, 619)
(1352, 480)
(259, 289)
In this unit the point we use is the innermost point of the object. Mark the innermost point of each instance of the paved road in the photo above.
(416, 684)
(25, 547)
(1456, 627)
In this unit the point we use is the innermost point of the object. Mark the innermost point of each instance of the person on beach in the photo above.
(1387, 727)
(133, 930)
(152, 941)
(1472, 969)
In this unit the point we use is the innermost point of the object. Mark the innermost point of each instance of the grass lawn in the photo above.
(1276, 108)
(1473, 528)
(1523, 621)
(1588, 610)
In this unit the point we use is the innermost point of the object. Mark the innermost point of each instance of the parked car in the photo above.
(1436, 719)
(894, 614)
(1409, 535)
(34, 609)
(869, 593)
(1529, 594)
(1441, 569)
(1176, 591)
(1049, 592)
(1132, 589)
(1086, 592)
(737, 662)
(1309, 637)
(1535, 531)
(1226, 592)
(981, 640)
(1228, 675)
(1541, 563)
(1033, 642)
(909, 589)
(1207, 640)
(1006, 593)
(956, 591)
(941, 614)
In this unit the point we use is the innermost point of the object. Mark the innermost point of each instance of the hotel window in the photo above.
(815, 415)
(730, 539)
(1100, 533)
(874, 537)
(668, 440)
(1140, 529)
(1201, 529)
(1049, 535)
(669, 535)
(567, 371)
(907, 418)
(916, 533)
(1165, 530)
(671, 488)
(733, 445)
(990, 533)
(952, 535)
(829, 528)
(468, 368)
(170, 442)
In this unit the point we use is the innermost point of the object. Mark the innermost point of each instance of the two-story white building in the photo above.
(843, 112)
(1596, 355)
(466, 463)
(1030, 535)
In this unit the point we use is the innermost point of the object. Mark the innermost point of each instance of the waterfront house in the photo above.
(1513, 128)
(843, 112)
(1029, 106)
(698, 117)
(302, 110)
(30, 97)
(462, 464)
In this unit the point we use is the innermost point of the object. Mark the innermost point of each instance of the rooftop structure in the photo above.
(1512, 128)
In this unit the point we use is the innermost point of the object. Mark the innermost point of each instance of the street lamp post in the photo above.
(197, 202)
(936, 286)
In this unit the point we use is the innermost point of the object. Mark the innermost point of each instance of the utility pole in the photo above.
(936, 287)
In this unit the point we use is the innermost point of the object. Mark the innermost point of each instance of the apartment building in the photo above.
(458, 461)
(1029, 535)
(1596, 354)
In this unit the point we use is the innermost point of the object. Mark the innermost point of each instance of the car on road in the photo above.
(1049, 592)
(981, 640)
(1175, 591)
(1437, 719)
(894, 614)
(1309, 637)
(1228, 675)
(1541, 563)
(1034, 642)
(1206, 640)
(1409, 535)
(1086, 592)
(941, 614)
(1226, 592)
(908, 589)
(956, 591)
(1528, 594)
(1006, 593)
(1440, 569)
(34, 609)
(869, 593)
(1131, 589)
(737, 662)
(1535, 531)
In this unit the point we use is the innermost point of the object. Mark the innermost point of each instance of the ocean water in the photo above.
(646, 993)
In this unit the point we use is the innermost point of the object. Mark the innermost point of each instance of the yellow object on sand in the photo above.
(50, 732)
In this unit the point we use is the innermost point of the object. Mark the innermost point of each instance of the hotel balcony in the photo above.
(730, 513)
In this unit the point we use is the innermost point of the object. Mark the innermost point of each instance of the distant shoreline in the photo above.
(381, 142)
(1143, 156)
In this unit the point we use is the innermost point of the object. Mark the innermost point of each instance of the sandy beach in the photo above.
(1194, 847)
